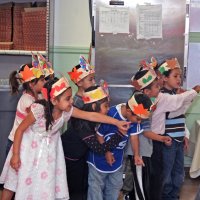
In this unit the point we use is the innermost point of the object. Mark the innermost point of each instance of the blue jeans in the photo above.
(104, 186)
(173, 170)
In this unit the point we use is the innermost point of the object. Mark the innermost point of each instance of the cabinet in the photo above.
(24, 28)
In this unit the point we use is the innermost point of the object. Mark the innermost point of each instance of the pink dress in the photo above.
(42, 175)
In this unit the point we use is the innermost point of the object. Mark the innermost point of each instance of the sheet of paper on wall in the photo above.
(149, 21)
(193, 70)
(113, 20)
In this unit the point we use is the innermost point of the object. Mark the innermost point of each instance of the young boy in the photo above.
(164, 157)
(105, 181)
(83, 75)
(141, 174)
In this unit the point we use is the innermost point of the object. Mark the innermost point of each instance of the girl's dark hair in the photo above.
(48, 106)
(14, 81)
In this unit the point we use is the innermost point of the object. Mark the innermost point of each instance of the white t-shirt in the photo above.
(24, 103)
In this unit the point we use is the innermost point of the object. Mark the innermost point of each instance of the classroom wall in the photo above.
(72, 34)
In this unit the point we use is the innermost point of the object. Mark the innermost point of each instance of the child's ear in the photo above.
(146, 91)
(54, 101)
(165, 78)
(94, 106)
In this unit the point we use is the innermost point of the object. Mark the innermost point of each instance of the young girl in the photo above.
(35, 166)
(32, 80)
(80, 137)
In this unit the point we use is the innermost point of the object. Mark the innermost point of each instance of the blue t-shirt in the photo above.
(107, 130)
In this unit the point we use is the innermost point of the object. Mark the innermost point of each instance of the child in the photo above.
(105, 181)
(176, 105)
(80, 137)
(32, 80)
(173, 156)
(141, 173)
(37, 166)
(83, 75)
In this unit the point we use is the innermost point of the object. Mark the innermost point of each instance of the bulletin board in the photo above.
(126, 34)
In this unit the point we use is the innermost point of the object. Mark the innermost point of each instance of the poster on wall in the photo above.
(113, 20)
(149, 21)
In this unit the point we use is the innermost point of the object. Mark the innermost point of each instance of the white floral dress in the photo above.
(42, 175)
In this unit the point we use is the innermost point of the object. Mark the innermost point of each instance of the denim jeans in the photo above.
(173, 170)
(104, 186)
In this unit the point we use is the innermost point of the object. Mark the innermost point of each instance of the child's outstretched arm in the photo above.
(15, 159)
(97, 117)
(161, 138)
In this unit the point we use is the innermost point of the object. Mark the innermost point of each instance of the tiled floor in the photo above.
(188, 191)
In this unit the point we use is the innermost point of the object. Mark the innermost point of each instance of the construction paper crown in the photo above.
(38, 61)
(169, 65)
(57, 88)
(138, 109)
(95, 95)
(145, 80)
(45, 65)
(144, 65)
(28, 74)
(85, 69)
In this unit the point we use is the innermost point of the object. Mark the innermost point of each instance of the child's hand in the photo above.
(15, 162)
(109, 158)
(186, 143)
(167, 140)
(123, 125)
(196, 88)
(138, 160)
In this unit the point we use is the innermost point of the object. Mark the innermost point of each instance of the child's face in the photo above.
(64, 102)
(87, 82)
(133, 118)
(104, 107)
(173, 81)
(39, 85)
(154, 91)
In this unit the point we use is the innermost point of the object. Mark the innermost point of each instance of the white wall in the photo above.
(72, 23)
